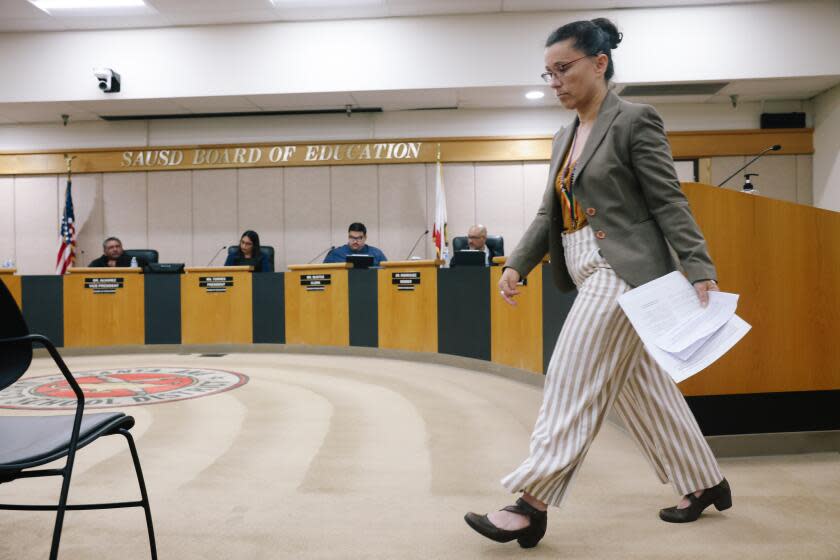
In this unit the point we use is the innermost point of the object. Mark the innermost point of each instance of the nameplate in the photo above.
(215, 283)
(104, 285)
(405, 281)
(315, 282)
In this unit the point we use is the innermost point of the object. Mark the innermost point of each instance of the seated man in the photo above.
(356, 237)
(114, 255)
(477, 241)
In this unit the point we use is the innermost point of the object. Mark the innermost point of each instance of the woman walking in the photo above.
(612, 206)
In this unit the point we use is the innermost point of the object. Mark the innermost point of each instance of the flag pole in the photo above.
(69, 161)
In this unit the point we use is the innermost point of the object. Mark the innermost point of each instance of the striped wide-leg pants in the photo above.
(599, 361)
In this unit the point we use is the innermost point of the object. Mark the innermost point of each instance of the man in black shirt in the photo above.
(114, 255)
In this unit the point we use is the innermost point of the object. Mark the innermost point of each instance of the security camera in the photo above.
(109, 81)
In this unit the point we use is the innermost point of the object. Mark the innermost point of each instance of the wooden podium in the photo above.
(318, 304)
(784, 261)
(216, 305)
(516, 331)
(12, 281)
(104, 307)
(408, 318)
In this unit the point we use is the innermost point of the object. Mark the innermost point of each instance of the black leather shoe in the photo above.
(527, 537)
(719, 495)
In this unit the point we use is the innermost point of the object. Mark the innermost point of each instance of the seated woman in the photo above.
(248, 253)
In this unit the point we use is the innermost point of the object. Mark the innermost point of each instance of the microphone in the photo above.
(415, 244)
(222, 248)
(321, 254)
(773, 148)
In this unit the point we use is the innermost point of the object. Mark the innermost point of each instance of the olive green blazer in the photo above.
(626, 184)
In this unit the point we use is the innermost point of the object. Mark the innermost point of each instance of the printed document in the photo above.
(681, 335)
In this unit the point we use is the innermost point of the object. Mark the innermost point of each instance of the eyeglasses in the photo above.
(559, 70)
(475, 237)
(354, 238)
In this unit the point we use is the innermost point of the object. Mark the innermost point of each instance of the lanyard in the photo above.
(567, 177)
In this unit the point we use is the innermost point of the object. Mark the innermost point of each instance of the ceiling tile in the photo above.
(407, 99)
(43, 112)
(216, 104)
(506, 96)
(302, 101)
(131, 107)
(20, 9)
(438, 7)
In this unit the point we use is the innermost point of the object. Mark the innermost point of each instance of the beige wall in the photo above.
(781, 177)
(827, 150)
(188, 215)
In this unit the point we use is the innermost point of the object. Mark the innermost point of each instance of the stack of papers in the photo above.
(681, 335)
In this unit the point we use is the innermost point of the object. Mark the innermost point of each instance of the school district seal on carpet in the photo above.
(120, 387)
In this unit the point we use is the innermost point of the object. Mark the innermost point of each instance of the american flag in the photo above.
(67, 244)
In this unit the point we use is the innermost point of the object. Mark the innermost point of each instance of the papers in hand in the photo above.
(681, 335)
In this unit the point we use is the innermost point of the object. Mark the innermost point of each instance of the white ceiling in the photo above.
(21, 15)
(464, 98)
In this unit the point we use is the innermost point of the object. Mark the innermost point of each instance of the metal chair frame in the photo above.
(66, 471)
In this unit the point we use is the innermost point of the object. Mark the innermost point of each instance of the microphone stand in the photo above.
(222, 248)
(319, 255)
(416, 243)
(774, 148)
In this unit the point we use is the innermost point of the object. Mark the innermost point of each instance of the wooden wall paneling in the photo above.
(125, 201)
(7, 219)
(784, 261)
(36, 224)
(499, 199)
(403, 213)
(214, 215)
(171, 215)
(306, 212)
(260, 208)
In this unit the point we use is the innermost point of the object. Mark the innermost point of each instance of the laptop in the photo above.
(360, 261)
(469, 257)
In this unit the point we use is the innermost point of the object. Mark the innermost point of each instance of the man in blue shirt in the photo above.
(356, 238)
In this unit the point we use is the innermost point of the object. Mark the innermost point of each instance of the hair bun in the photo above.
(610, 29)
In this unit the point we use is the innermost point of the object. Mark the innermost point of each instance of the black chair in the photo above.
(496, 244)
(27, 442)
(148, 255)
(266, 250)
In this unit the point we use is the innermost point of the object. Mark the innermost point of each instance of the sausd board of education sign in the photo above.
(175, 158)
(269, 155)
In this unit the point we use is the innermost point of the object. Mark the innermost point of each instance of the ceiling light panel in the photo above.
(88, 7)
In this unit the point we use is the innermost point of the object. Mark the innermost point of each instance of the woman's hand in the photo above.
(703, 288)
(507, 285)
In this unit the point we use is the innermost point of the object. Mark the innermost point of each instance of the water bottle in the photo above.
(133, 262)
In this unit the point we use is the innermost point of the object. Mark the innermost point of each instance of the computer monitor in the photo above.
(360, 261)
(469, 257)
(165, 268)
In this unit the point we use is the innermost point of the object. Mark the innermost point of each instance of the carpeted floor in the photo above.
(347, 457)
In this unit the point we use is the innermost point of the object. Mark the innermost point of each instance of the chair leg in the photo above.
(143, 495)
(59, 514)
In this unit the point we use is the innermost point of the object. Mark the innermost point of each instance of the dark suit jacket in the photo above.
(626, 183)
(122, 260)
